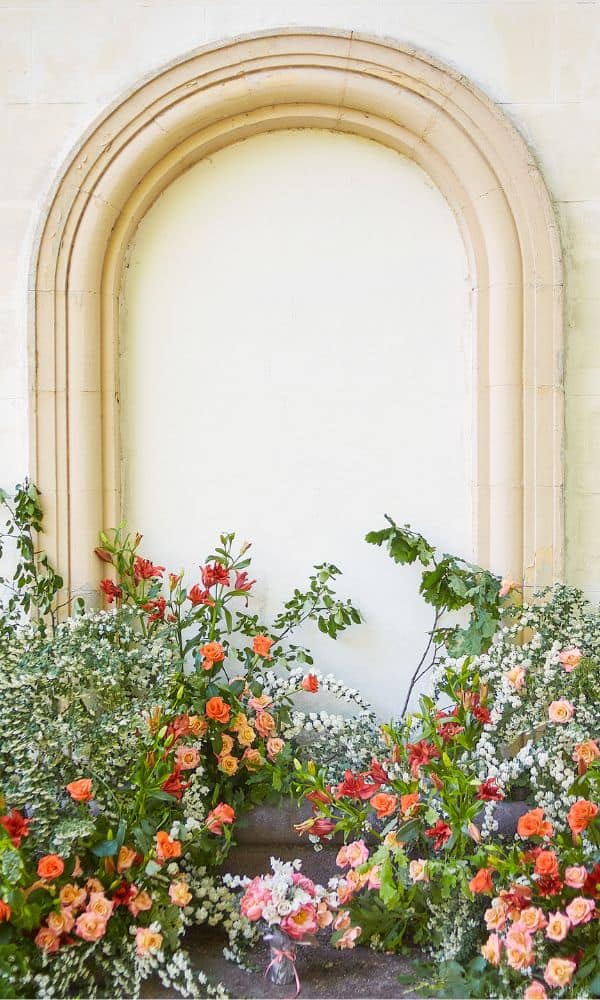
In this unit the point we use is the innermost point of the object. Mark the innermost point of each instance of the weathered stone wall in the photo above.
(62, 63)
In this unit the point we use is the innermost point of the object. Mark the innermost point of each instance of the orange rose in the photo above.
(580, 815)
(5, 911)
(546, 863)
(384, 804)
(265, 724)
(81, 790)
(261, 645)
(47, 940)
(218, 710)
(165, 847)
(50, 866)
(482, 881)
(409, 803)
(310, 683)
(532, 824)
(213, 651)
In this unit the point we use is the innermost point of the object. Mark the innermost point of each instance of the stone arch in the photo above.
(304, 78)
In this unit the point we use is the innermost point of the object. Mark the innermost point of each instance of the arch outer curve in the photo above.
(305, 78)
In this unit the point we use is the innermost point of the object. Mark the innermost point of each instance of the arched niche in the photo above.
(295, 78)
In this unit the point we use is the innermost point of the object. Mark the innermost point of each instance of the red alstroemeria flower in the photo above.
(448, 730)
(242, 582)
(123, 894)
(110, 590)
(354, 786)
(591, 885)
(378, 772)
(174, 785)
(198, 595)
(440, 834)
(16, 826)
(488, 791)
(178, 727)
(156, 609)
(317, 796)
(419, 754)
(549, 885)
(144, 569)
(213, 575)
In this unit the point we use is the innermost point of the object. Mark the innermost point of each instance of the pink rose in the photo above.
(491, 950)
(147, 941)
(580, 910)
(559, 972)
(561, 711)
(352, 855)
(558, 927)
(570, 658)
(90, 926)
(535, 991)
(575, 876)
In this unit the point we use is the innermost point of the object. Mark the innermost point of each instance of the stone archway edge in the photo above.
(304, 78)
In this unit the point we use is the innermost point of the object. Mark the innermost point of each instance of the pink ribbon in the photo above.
(278, 955)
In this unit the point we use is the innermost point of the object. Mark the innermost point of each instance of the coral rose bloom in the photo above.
(570, 658)
(213, 651)
(50, 866)
(147, 941)
(81, 790)
(90, 926)
(384, 804)
(187, 758)
(179, 893)
(546, 863)
(558, 926)
(274, 747)
(47, 940)
(559, 972)
(265, 724)
(409, 803)
(165, 847)
(310, 683)
(218, 710)
(217, 817)
(532, 824)
(352, 855)
(580, 815)
(535, 991)
(561, 711)
(301, 923)
(491, 950)
(580, 910)
(482, 881)
(261, 645)
(575, 876)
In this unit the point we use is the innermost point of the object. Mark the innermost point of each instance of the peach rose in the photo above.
(90, 926)
(47, 940)
(310, 683)
(166, 848)
(72, 895)
(219, 816)
(226, 745)
(125, 858)
(140, 903)
(384, 804)
(197, 726)
(516, 677)
(575, 876)
(532, 919)
(535, 991)
(50, 867)
(491, 950)
(546, 863)
(187, 758)
(580, 815)
(218, 710)
(252, 759)
(352, 855)
(100, 905)
(532, 824)
(261, 646)
(94, 885)
(246, 736)
(585, 754)
(61, 921)
(495, 917)
(482, 881)
(558, 926)
(348, 938)
(559, 972)
(213, 651)
(228, 764)
(147, 941)
(417, 870)
(262, 702)
(274, 747)
(561, 711)
(580, 910)
(179, 893)
(265, 724)
(570, 658)
(81, 790)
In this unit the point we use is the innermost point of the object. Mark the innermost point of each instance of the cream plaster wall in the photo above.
(62, 62)
(297, 359)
